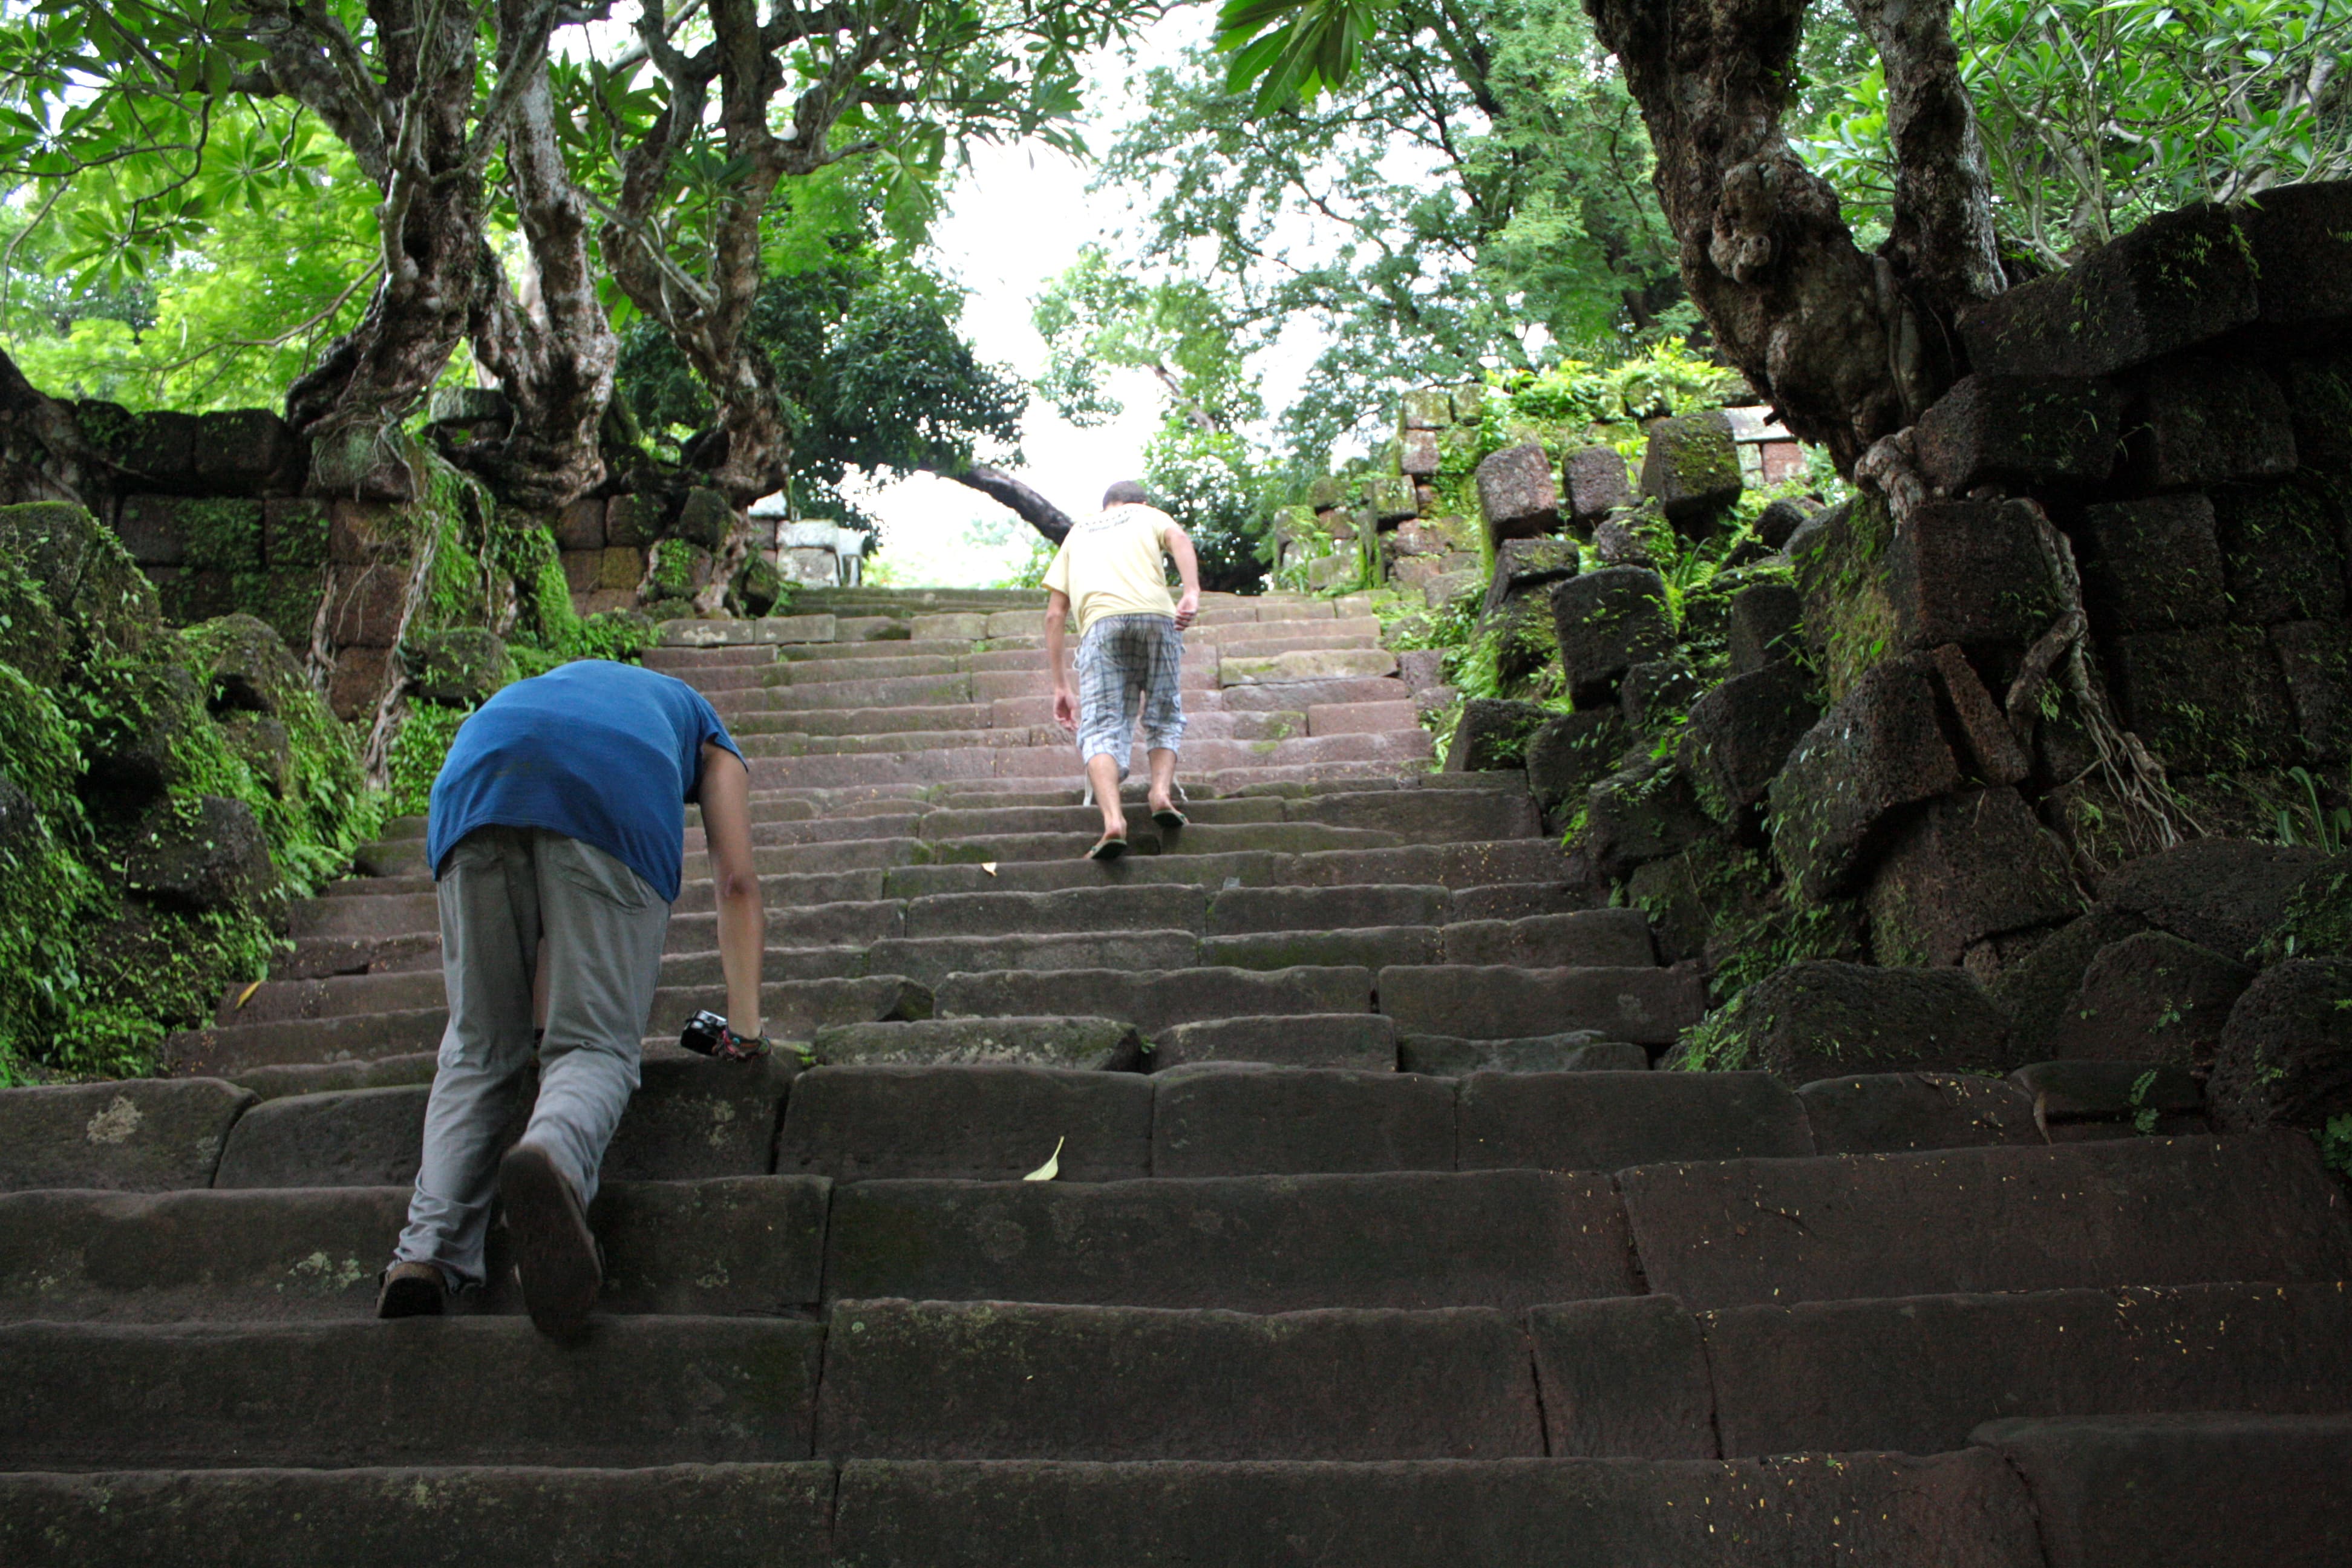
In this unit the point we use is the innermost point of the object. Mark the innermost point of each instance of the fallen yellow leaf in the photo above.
(1053, 1165)
(989, 866)
(246, 994)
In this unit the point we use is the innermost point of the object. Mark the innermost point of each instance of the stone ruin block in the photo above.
(705, 518)
(1615, 541)
(1431, 536)
(2282, 548)
(2020, 431)
(2301, 239)
(1450, 590)
(1972, 865)
(2316, 659)
(2319, 402)
(2223, 893)
(1646, 811)
(357, 681)
(1766, 624)
(1839, 557)
(248, 451)
(1692, 467)
(1971, 573)
(1824, 1018)
(1429, 408)
(2155, 564)
(634, 520)
(1390, 499)
(580, 525)
(1469, 403)
(149, 527)
(1524, 566)
(2285, 1057)
(2178, 279)
(2207, 700)
(1417, 454)
(1606, 622)
(1516, 493)
(1779, 522)
(1740, 733)
(1986, 747)
(582, 569)
(620, 569)
(1879, 749)
(1596, 484)
(2198, 420)
(156, 448)
(1424, 498)
(1570, 754)
(293, 532)
(1493, 735)
(2150, 997)
(1657, 696)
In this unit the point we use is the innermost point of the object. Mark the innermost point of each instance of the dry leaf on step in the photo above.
(1053, 1165)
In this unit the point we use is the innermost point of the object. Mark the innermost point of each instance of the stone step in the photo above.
(1153, 999)
(716, 1246)
(645, 1390)
(2147, 1211)
(954, 1380)
(1646, 1006)
(517, 1516)
(971, 763)
(997, 1123)
(794, 1009)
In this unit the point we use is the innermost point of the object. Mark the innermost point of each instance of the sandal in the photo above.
(1107, 848)
(1168, 817)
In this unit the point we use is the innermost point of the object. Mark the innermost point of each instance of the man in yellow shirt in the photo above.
(1131, 650)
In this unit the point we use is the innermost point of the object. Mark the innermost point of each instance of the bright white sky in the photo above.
(1016, 220)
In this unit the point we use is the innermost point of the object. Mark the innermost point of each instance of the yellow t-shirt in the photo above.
(1111, 566)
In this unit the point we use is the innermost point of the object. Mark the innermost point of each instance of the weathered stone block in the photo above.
(294, 532)
(2200, 421)
(2152, 998)
(150, 528)
(705, 520)
(580, 569)
(462, 668)
(247, 451)
(144, 1135)
(2206, 700)
(580, 525)
(2315, 658)
(1825, 1019)
(2285, 1057)
(206, 854)
(1615, 541)
(1596, 484)
(1973, 865)
(1525, 565)
(1516, 493)
(159, 446)
(1692, 467)
(680, 569)
(1740, 733)
(1417, 454)
(1896, 1113)
(1989, 749)
(1390, 499)
(1493, 733)
(357, 681)
(1767, 623)
(359, 532)
(2283, 548)
(1780, 520)
(620, 568)
(1570, 754)
(2155, 563)
(2020, 431)
(1879, 749)
(634, 520)
(367, 605)
(1840, 560)
(1608, 621)
(1428, 408)
(2221, 893)
(1971, 572)
(2179, 279)
(1645, 811)
(2301, 237)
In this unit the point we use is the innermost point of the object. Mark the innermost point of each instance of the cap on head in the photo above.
(1126, 492)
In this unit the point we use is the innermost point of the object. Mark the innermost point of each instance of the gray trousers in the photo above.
(508, 893)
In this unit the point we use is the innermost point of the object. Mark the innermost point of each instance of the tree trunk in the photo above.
(1004, 489)
(1848, 347)
(431, 234)
(553, 354)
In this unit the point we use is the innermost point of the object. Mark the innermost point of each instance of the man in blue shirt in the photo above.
(557, 841)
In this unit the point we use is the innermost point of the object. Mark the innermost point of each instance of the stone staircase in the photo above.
(1374, 1243)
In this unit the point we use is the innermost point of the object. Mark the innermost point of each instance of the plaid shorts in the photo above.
(1125, 662)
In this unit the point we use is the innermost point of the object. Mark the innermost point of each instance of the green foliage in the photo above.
(1576, 402)
(1208, 481)
(416, 755)
(2311, 821)
(2336, 1144)
(1479, 187)
(2097, 114)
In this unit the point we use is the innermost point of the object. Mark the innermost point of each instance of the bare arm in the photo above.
(1178, 545)
(725, 798)
(1058, 617)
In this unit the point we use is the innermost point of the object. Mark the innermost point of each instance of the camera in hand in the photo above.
(703, 1034)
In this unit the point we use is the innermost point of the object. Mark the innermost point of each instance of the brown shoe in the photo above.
(555, 1252)
(411, 1290)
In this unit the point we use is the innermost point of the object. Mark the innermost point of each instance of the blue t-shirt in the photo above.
(606, 753)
